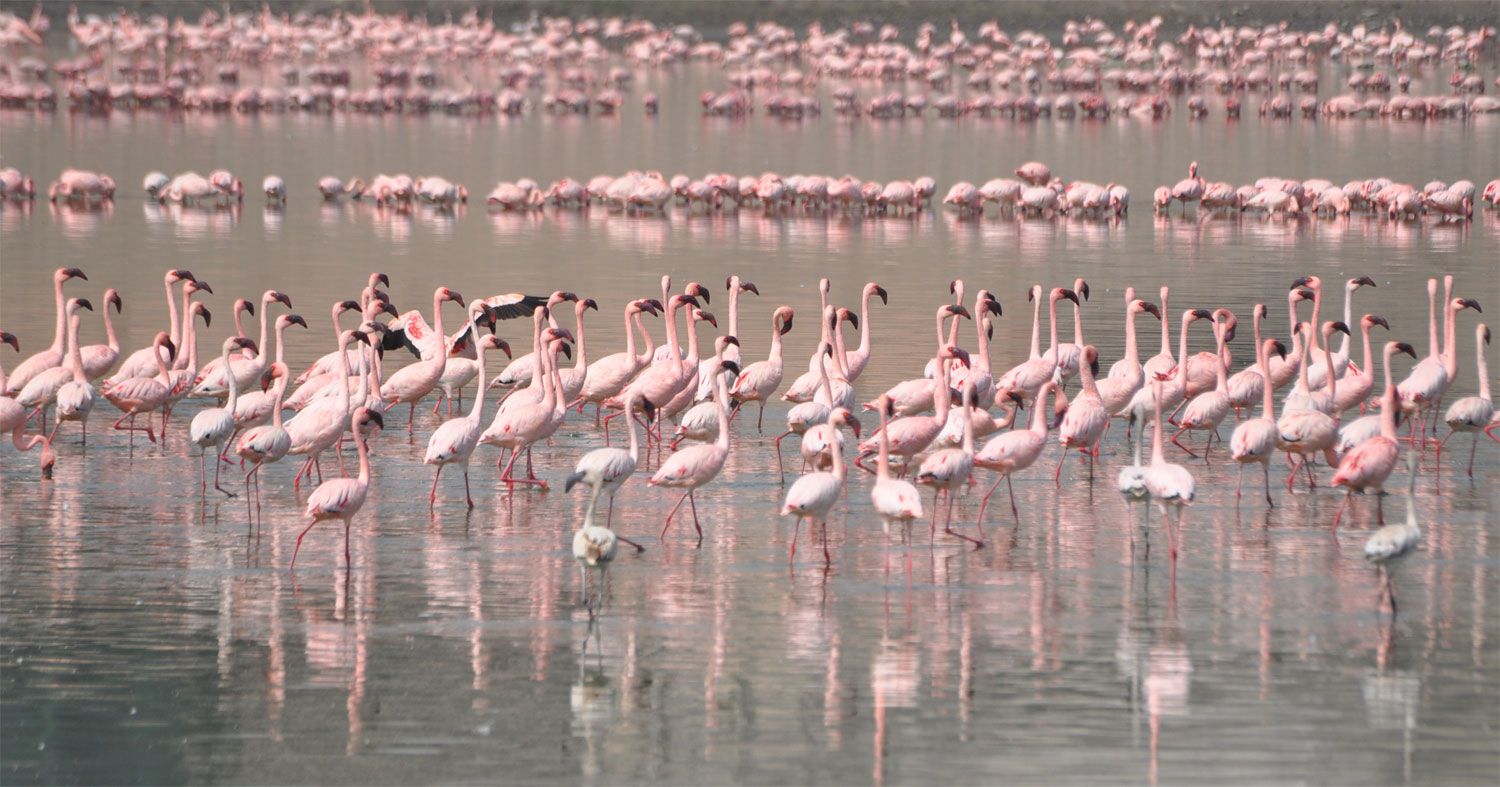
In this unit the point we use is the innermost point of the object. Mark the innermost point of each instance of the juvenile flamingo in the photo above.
(1254, 440)
(1469, 414)
(1388, 545)
(341, 498)
(814, 495)
(759, 381)
(212, 426)
(593, 546)
(696, 465)
(1366, 468)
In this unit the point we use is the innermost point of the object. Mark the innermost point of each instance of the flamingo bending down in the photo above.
(1169, 484)
(1469, 414)
(696, 465)
(261, 445)
(814, 495)
(593, 546)
(453, 442)
(1366, 468)
(759, 381)
(609, 468)
(213, 426)
(142, 394)
(409, 384)
(53, 355)
(341, 498)
(1254, 440)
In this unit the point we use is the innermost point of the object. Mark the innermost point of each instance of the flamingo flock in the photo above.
(943, 429)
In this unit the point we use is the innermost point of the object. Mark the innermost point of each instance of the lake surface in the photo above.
(147, 640)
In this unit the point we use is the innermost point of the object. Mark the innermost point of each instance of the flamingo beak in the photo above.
(1301, 281)
(1364, 281)
(734, 340)
(383, 279)
(786, 327)
(1406, 348)
(1280, 349)
(83, 303)
(74, 273)
(1070, 295)
(114, 298)
(1377, 320)
(1202, 314)
(1151, 309)
(1470, 303)
(182, 274)
(590, 303)
(10, 339)
(375, 418)
(749, 287)
(203, 285)
(1341, 328)
(731, 367)
(504, 347)
(283, 298)
(885, 298)
(1083, 290)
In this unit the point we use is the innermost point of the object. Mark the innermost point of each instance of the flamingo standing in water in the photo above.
(411, 383)
(609, 468)
(911, 435)
(241, 371)
(518, 428)
(1163, 361)
(609, 375)
(759, 381)
(40, 392)
(593, 546)
(341, 498)
(454, 441)
(1423, 389)
(75, 399)
(1254, 440)
(1366, 468)
(1169, 484)
(1086, 417)
(321, 424)
(1388, 545)
(97, 359)
(814, 495)
(1126, 376)
(1006, 453)
(858, 358)
(13, 417)
(261, 445)
(1317, 376)
(1471, 413)
(950, 468)
(895, 500)
(705, 386)
(1208, 409)
(696, 465)
(1027, 378)
(1306, 432)
(53, 355)
(139, 395)
(1189, 189)
(213, 426)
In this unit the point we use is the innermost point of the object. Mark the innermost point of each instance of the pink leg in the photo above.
(693, 504)
(670, 514)
(984, 502)
(298, 548)
(827, 557)
(432, 495)
(469, 498)
(348, 561)
(779, 467)
(796, 530)
(411, 418)
(217, 466)
(1339, 513)
(1265, 468)
(948, 525)
(1057, 474)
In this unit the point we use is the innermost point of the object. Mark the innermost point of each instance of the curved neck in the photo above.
(583, 353)
(161, 366)
(775, 354)
(1086, 372)
(940, 315)
(111, 339)
(629, 333)
(645, 356)
(364, 452)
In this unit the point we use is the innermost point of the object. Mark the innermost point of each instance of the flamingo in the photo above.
(1009, 452)
(1027, 378)
(609, 375)
(1126, 375)
(609, 468)
(53, 355)
(1284, 370)
(896, 501)
(1131, 480)
(460, 369)
(143, 394)
(1084, 422)
(13, 418)
(1190, 189)
(1202, 367)
(701, 421)
(1163, 361)
(858, 358)
(317, 427)
(521, 369)
(1066, 354)
(1175, 387)
(1317, 377)
(814, 495)
(411, 383)
(1366, 468)
(75, 398)
(759, 381)
(820, 440)
(697, 465)
(1247, 384)
(911, 435)
(453, 442)
(705, 389)
(1388, 545)
(97, 359)
(593, 546)
(1169, 484)
(1305, 432)
(1207, 410)
(948, 469)
(1302, 397)
(214, 425)
(1254, 440)
(1357, 381)
(215, 378)
(521, 427)
(40, 392)
(261, 445)
(1424, 388)
(179, 380)
(341, 498)
(661, 381)
(693, 290)
(254, 407)
(1469, 414)
(687, 385)
(572, 379)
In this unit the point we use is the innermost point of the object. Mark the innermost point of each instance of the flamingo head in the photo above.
(1406, 348)
(703, 316)
(1486, 334)
(165, 340)
(242, 343)
(1230, 322)
(10, 339)
(379, 278)
(1278, 348)
(82, 303)
(1091, 355)
(180, 274)
(1034, 293)
(1340, 326)
(279, 297)
(365, 416)
(1015, 397)
(1363, 281)
(344, 306)
(957, 309)
(1197, 314)
(885, 298)
(990, 304)
(63, 274)
(731, 367)
(850, 317)
(198, 285)
(1058, 293)
(243, 305)
(1311, 282)
(291, 319)
(445, 294)
(1466, 303)
(842, 417)
(1260, 311)
(1149, 308)
(587, 303)
(683, 300)
(1373, 319)
(954, 351)
(695, 289)
(1082, 288)
(112, 298)
(201, 310)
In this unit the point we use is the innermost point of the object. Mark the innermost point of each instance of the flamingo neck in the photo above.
(692, 330)
(629, 333)
(111, 339)
(864, 323)
(1221, 372)
(343, 382)
(476, 408)
(1038, 414)
(1182, 356)
(1302, 353)
(1317, 310)
(1364, 331)
(260, 347)
(1036, 327)
(174, 327)
(1132, 350)
(940, 393)
(75, 353)
(583, 354)
(1343, 350)
(969, 421)
(190, 338)
(280, 342)
(1156, 448)
(1086, 372)
(734, 311)
(276, 395)
(982, 342)
(1052, 322)
(836, 453)
(672, 345)
(234, 390)
(437, 326)
(645, 356)
(1267, 402)
(1333, 379)
(1450, 347)
(1484, 367)
(364, 453)
(1166, 327)
(161, 367)
(721, 397)
(840, 355)
(635, 445)
(883, 462)
(775, 354)
(1390, 403)
(1078, 326)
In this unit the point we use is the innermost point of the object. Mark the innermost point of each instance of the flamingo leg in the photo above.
(693, 504)
(218, 466)
(781, 469)
(1339, 513)
(298, 547)
(411, 418)
(948, 525)
(1265, 468)
(348, 561)
(985, 501)
(469, 498)
(796, 530)
(761, 418)
(1239, 486)
(1062, 456)
(827, 557)
(432, 495)
(1473, 446)
(202, 476)
(673, 512)
(1189, 451)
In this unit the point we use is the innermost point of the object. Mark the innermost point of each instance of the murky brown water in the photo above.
(148, 641)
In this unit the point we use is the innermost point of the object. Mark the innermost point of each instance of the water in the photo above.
(149, 641)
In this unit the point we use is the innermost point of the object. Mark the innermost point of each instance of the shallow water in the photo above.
(148, 640)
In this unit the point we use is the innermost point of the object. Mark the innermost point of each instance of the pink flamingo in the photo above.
(1027, 378)
(1175, 388)
(341, 498)
(1471, 413)
(705, 390)
(75, 399)
(759, 381)
(521, 369)
(213, 426)
(141, 362)
(1163, 361)
(317, 427)
(1084, 422)
(572, 379)
(243, 371)
(1254, 440)
(1306, 432)
(858, 358)
(454, 441)
(1009, 452)
(1207, 410)
(1424, 388)
(411, 383)
(1284, 370)
(1189, 189)
(1126, 376)
(609, 375)
(97, 359)
(519, 428)
(948, 469)
(1169, 484)
(664, 377)
(142, 394)
(53, 355)
(13, 418)
(814, 495)
(697, 465)
(254, 407)
(1317, 376)
(1357, 382)
(1366, 468)
(41, 391)
(261, 445)
(909, 436)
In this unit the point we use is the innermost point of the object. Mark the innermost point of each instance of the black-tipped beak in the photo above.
(75, 273)
(1378, 320)
(248, 307)
(709, 318)
(1306, 294)
(1280, 349)
(171, 348)
(853, 320)
(1083, 289)
(687, 299)
(1470, 303)
(953, 287)
(1072, 296)
(1301, 280)
(656, 307)
(383, 279)
(114, 300)
(749, 287)
(731, 367)
(1407, 348)
(285, 299)
(734, 340)
(208, 317)
(959, 310)
(10, 339)
(203, 285)
(885, 298)
(1151, 309)
(376, 418)
(590, 303)
(296, 319)
(567, 350)
(786, 326)
(1202, 314)
(702, 292)
(83, 303)
(182, 274)
(1015, 397)
(1365, 281)
(349, 306)
(362, 337)
(1341, 328)
(246, 343)
(503, 346)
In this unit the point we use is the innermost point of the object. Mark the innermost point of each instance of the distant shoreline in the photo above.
(712, 15)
